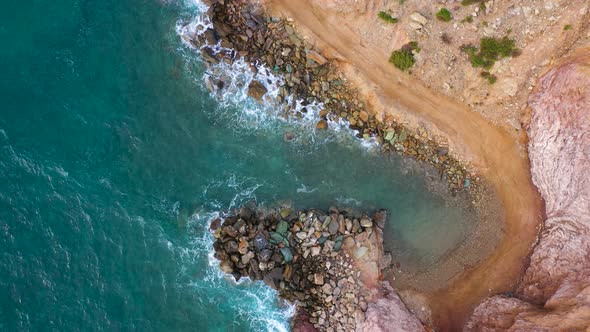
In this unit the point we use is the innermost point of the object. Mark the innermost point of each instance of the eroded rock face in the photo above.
(388, 313)
(555, 290)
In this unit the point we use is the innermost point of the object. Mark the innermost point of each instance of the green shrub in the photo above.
(490, 50)
(444, 15)
(468, 19)
(413, 46)
(404, 57)
(491, 78)
(386, 17)
(567, 27)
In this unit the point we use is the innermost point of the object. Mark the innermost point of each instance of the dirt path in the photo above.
(489, 148)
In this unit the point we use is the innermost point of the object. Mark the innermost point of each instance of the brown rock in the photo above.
(215, 224)
(256, 90)
(364, 116)
(230, 231)
(318, 279)
(243, 247)
(322, 124)
(247, 257)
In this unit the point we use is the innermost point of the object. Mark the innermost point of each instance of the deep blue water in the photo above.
(113, 157)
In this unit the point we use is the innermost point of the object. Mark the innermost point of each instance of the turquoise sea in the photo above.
(114, 157)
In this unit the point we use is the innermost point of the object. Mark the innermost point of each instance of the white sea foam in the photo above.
(237, 110)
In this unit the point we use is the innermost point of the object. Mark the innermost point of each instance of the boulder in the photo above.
(418, 18)
(209, 55)
(256, 90)
(333, 226)
(322, 124)
(316, 57)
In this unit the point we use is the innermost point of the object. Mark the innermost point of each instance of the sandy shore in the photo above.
(490, 150)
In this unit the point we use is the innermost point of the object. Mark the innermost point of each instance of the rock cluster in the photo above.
(318, 260)
(308, 75)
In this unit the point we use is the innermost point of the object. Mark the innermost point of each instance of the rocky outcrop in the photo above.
(388, 313)
(555, 291)
(328, 263)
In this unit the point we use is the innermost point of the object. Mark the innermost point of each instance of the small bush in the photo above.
(467, 19)
(404, 57)
(490, 50)
(491, 78)
(567, 27)
(387, 17)
(444, 15)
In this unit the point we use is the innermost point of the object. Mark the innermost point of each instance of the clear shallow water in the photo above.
(113, 157)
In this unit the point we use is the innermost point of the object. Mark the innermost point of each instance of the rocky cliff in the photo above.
(555, 291)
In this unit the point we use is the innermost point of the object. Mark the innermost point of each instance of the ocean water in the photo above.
(114, 157)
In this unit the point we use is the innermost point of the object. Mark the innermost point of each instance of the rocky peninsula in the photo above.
(328, 263)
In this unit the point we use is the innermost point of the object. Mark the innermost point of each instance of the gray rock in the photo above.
(231, 247)
(348, 223)
(276, 273)
(301, 235)
(260, 242)
(265, 255)
(246, 213)
(333, 227)
(315, 251)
